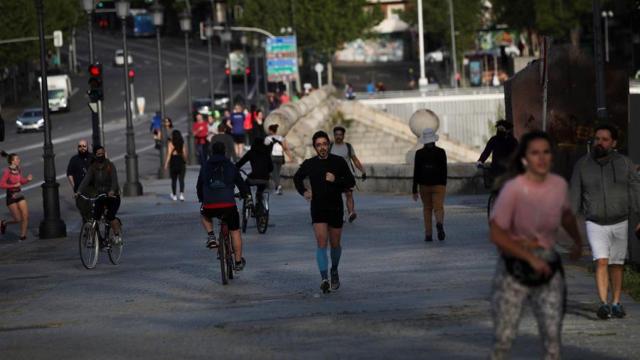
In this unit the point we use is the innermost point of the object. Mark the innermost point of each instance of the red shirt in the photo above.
(248, 121)
(200, 130)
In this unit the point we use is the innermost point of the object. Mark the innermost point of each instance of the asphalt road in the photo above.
(400, 297)
(68, 128)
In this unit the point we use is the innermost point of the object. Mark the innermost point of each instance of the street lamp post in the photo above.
(422, 82)
(209, 34)
(52, 225)
(97, 137)
(245, 65)
(256, 69)
(226, 38)
(454, 60)
(185, 26)
(158, 21)
(132, 187)
(606, 15)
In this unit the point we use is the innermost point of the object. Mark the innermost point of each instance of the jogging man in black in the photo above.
(329, 176)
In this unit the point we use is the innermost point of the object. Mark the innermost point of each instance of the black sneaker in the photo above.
(441, 234)
(325, 286)
(212, 242)
(335, 280)
(428, 238)
(617, 311)
(604, 312)
(240, 264)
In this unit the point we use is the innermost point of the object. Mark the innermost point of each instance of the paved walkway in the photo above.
(400, 297)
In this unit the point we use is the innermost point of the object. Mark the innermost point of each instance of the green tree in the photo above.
(467, 21)
(19, 20)
(320, 25)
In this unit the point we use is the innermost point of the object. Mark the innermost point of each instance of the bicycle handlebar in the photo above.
(93, 198)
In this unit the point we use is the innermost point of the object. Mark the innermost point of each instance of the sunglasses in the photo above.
(82, 146)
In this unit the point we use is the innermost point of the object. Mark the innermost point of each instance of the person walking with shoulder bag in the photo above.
(529, 211)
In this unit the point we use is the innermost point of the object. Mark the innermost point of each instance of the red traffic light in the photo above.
(227, 71)
(247, 71)
(131, 74)
(95, 70)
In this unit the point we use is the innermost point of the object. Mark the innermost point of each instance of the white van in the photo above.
(59, 87)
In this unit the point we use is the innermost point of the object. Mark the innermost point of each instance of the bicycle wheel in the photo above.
(490, 203)
(115, 251)
(262, 219)
(223, 266)
(88, 245)
(229, 254)
(246, 214)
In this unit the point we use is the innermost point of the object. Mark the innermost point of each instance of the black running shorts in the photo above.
(334, 218)
(229, 214)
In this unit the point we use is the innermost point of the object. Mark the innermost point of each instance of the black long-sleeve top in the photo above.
(261, 164)
(430, 167)
(325, 195)
(502, 147)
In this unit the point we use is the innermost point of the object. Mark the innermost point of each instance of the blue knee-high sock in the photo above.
(323, 262)
(336, 252)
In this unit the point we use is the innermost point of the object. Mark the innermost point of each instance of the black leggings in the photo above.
(177, 169)
(177, 175)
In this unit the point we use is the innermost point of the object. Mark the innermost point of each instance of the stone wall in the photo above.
(463, 178)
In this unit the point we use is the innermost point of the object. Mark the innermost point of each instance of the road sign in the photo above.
(57, 38)
(282, 59)
(319, 67)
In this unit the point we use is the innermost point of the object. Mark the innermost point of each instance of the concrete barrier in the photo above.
(463, 178)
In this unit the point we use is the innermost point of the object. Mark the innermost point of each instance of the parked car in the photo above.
(30, 119)
(203, 105)
(118, 58)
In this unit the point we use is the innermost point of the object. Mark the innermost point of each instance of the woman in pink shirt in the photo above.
(12, 180)
(531, 208)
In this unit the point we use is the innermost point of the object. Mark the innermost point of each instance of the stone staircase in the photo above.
(379, 137)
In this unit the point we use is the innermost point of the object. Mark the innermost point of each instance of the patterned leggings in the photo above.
(547, 301)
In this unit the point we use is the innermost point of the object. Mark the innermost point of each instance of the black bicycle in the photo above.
(225, 253)
(488, 181)
(258, 210)
(96, 236)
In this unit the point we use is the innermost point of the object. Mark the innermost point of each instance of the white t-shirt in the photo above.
(277, 149)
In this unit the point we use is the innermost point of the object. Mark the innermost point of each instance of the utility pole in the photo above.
(601, 105)
(422, 82)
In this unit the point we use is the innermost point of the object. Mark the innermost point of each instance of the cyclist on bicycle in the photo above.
(261, 166)
(215, 189)
(501, 147)
(102, 179)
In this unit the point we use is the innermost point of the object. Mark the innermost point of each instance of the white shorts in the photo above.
(609, 241)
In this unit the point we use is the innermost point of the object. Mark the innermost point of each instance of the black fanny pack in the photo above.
(526, 275)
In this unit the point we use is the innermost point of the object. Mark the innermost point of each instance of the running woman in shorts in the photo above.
(329, 176)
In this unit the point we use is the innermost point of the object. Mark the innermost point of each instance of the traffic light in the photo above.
(131, 75)
(95, 83)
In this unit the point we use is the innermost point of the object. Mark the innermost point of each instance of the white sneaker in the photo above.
(181, 197)
(174, 197)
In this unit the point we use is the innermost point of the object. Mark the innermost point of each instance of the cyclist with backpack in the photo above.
(215, 188)
(345, 150)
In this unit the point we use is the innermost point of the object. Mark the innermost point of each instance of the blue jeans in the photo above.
(201, 150)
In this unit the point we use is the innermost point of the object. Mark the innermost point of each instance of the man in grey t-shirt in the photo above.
(345, 150)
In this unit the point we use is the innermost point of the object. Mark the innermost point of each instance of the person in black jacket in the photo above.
(261, 166)
(329, 176)
(430, 182)
(501, 147)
